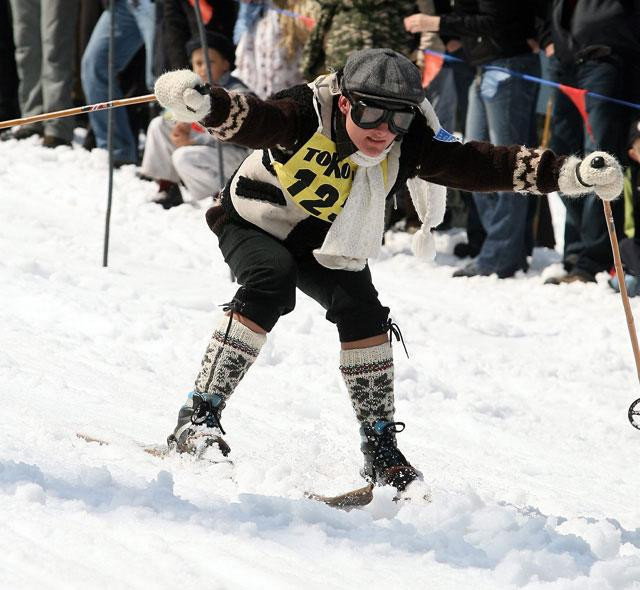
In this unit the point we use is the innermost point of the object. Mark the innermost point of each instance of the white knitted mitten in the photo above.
(176, 91)
(598, 172)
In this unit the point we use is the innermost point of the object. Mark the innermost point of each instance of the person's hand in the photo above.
(453, 45)
(177, 91)
(598, 172)
(181, 134)
(534, 45)
(422, 23)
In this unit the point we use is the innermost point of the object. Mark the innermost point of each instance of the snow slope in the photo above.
(515, 398)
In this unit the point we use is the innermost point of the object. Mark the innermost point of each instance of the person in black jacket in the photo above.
(496, 33)
(9, 108)
(593, 44)
(180, 24)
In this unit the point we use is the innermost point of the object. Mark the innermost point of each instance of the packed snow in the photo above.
(515, 398)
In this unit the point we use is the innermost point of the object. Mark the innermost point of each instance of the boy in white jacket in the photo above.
(177, 151)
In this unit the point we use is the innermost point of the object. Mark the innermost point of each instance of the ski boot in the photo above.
(384, 464)
(198, 429)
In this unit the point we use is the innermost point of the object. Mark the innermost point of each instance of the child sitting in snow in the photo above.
(630, 247)
(183, 152)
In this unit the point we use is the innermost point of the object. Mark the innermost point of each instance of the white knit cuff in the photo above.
(372, 355)
(240, 337)
(238, 112)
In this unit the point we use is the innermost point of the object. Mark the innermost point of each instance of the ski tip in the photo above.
(157, 451)
(91, 439)
(416, 493)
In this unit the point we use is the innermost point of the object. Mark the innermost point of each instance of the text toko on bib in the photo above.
(315, 179)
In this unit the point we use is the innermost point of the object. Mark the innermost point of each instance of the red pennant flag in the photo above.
(432, 66)
(578, 98)
(307, 21)
(206, 10)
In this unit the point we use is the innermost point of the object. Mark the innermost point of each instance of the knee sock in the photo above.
(368, 373)
(232, 350)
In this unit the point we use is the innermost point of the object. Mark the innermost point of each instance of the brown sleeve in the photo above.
(484, 167)
(249, 121)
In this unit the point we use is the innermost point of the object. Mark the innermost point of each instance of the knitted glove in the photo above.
(176, 91)
(599, 172)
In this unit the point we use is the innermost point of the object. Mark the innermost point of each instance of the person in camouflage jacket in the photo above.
(344, 26)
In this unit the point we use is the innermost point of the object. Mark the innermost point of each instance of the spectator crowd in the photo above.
(54, 54)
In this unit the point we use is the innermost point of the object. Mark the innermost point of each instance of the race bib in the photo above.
(315, 179)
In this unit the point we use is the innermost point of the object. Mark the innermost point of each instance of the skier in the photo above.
(306, 209)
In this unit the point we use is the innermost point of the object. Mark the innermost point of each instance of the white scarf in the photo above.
(356, 234)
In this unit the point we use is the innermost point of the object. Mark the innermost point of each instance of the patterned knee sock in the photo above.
(228, 358)
(368, 373)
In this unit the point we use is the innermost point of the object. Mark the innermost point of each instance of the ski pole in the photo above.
(205, 50)
(107, 220)
(634, 408)
(89, 108)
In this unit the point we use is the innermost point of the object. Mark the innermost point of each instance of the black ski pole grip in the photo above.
(203, 88)
(598, 162)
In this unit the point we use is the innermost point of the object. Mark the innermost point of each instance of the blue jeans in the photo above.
(443, 97)
(134, 27)
(586, 239)
(502, 111)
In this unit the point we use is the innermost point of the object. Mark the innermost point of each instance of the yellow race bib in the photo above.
(315, 179)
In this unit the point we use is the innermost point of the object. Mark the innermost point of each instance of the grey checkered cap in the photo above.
(384, 74)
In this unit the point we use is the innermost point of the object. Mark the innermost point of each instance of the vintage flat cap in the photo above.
(383, 74)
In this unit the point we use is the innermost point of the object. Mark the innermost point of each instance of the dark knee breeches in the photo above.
(269, 274)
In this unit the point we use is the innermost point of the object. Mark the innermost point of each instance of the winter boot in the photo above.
(368, 374)
(199, 426)
(384, 464)
(232, 350)
(170, 196)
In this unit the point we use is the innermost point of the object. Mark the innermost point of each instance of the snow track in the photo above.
(515, 399)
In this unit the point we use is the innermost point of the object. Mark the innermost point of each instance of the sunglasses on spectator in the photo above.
(368, 115)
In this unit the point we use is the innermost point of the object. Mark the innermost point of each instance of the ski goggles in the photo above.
(368, 115)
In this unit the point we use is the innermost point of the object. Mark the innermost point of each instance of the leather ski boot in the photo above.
(384, 464)
(198, 429)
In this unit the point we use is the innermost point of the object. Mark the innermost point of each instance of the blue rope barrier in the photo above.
(529, 78)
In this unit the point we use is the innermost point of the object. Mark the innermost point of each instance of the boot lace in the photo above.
(394, 330)
(387, 453)
(205, 413)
